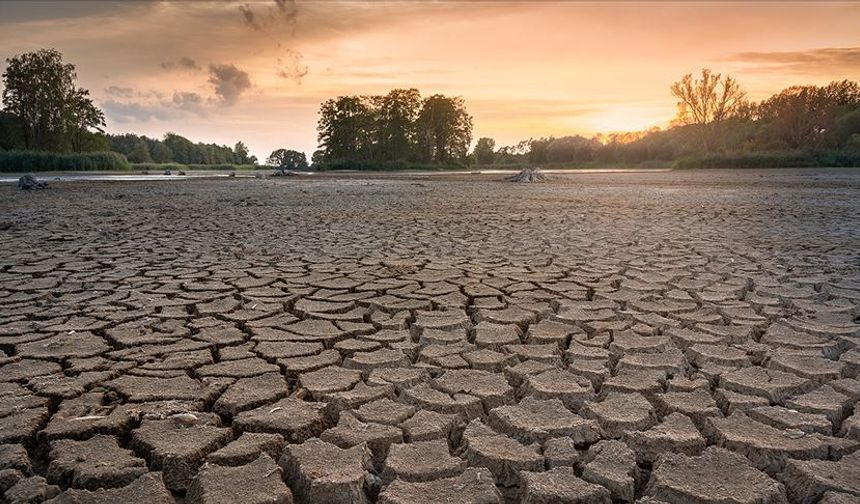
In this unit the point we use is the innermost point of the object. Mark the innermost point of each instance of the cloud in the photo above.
(125, 112)
(189, 102)
(183, 63)
(120, 92)
(229, 83)
(290, 66)
(827, 60)
(284, 12)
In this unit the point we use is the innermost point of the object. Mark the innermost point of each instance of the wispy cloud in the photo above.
(827, 60)
(183, 63)
(229, 82)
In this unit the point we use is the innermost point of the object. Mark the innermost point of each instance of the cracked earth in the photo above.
(683, 337)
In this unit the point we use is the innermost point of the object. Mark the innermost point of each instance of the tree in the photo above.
(707, 102)
(40, 90)
(444, 129)
(395, 115)
(346, 128)
(805, 116)
(160, 152)
(286, 159)
(241, 154)
(485, 151)
(139, 153)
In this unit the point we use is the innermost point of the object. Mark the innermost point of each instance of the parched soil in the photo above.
(680, 337)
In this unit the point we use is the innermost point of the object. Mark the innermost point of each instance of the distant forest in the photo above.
(48, 122)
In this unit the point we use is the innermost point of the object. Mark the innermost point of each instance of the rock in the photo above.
(561, 486)
(772, 384)
(717, 476)
(426, 425)
(317, 471)
(571, 389)
(258, 482)
(30, 183)
(249, 393)
(177, 450)
(32, 490)
(421, 461)
(351, 431)
(785, 418)
(621, 412)
(14, 456)
(328, 380)
(491, 388)
(423, 396)
(808, 480)
(248, 448)
(98, 462)
(560, 452)
(676, 434)
(295, 420)
(384, 411)
(503, 456)
(474, 486)
(612, 464)
(698, 405)
(768, 448)
(533, 420)
(148, 488)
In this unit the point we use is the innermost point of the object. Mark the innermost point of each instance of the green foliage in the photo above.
(484, 151)
(785, 159)
(55, 114)
(396, 127)
(31, 161)
(160, 167)
(286, 159)
(350, 165)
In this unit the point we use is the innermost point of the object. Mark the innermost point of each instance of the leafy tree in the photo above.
(444, 129)
(241, 154)
(804, 116)
(396, 114)
(346, 128)
(40, 90)
(160, 152)
(707, 102)
(139, 153)
(11, 132)
(485, 151)
(286, 159)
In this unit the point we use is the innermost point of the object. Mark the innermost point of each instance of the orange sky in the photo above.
(257, 71)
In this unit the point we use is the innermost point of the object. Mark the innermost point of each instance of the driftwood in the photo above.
(528, 175)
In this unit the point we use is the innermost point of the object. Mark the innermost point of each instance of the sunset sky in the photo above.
(257, 71)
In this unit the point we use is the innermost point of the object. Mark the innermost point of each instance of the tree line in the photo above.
(806, 125)
(400, 126)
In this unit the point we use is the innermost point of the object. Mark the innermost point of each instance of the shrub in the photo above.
(30, 161)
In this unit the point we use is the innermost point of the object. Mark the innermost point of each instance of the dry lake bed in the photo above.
(673, 337)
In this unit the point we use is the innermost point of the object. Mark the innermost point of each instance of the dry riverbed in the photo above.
(675, 337)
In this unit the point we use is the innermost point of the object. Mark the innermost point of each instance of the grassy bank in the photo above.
(794, 159)
(18, 162)
(182, 167)
(342, 165)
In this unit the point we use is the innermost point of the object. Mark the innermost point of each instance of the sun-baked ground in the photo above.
(661, 337)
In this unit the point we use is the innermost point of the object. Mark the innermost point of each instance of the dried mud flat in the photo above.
(639, 337)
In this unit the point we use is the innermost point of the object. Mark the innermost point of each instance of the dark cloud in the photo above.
(183, 63)
(130, 111)
(189, 102)
(284, 12)
(120, 92)
(813, 61)
(229, 83)
(290, 66)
